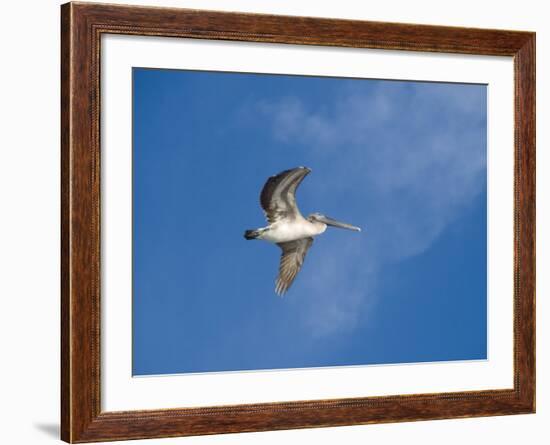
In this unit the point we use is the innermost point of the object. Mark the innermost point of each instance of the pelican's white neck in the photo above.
(318, 226)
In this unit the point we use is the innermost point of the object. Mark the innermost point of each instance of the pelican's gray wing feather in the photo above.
(278, 194)
(292, 259)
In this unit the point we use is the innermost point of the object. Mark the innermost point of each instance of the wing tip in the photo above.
(285, 172)
(280, 288)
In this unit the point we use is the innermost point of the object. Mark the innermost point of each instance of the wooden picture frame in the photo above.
(82, 25)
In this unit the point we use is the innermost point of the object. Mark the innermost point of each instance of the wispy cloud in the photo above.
(334, 291)
(410, 156)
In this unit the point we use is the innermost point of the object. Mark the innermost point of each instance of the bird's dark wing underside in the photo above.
(292, 258)
(278, 198)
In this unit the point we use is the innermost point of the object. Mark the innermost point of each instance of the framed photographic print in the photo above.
(274, 222)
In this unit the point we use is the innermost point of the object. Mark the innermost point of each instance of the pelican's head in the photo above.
(327, 221)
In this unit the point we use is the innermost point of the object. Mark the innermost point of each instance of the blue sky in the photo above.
(406, 161)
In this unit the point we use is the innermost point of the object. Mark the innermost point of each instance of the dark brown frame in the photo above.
(82, 25)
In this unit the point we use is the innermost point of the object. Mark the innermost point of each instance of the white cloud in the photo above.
(410, 155)
(334, 292)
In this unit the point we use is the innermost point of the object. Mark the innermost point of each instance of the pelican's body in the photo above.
(287, 227)
(291, 230)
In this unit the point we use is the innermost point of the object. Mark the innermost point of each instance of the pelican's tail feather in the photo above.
(252, 234)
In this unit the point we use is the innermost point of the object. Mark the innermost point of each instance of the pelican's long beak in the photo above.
(334, 223)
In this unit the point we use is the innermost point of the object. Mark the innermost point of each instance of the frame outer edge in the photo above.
(66, 47)
(80, 230)
(526, 138)
(81, 417)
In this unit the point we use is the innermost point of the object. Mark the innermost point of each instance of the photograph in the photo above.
(285, 221)
(236, 222)
(273, 222)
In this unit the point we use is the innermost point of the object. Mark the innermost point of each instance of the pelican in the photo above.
(287, 227)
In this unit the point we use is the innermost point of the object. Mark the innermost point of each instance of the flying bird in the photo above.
(287, 227)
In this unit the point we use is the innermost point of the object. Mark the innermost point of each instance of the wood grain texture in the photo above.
(81, 29)
(65, 226)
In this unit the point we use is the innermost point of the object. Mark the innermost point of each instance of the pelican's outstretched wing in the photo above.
(278, 195)
(292, 259)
